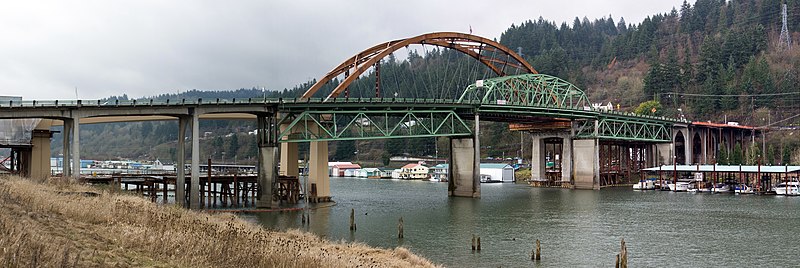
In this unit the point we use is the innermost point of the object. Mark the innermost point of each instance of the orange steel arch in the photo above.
(471, 45)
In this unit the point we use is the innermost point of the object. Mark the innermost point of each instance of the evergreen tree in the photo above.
(233, 145)
(345, 150)
(722, 156)
(737, 156)
(786, 157)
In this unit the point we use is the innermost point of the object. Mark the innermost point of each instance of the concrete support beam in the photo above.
(537, 158)
(462, 171)
(289, 159)
(566, 160)
(39, 162)
(586, 164)
(318, 169)
(66, 167)
(704, 146)
(194, 188)
(180, 165)
(538, 161)
(267, 161)
(267, 175)
(76, 149)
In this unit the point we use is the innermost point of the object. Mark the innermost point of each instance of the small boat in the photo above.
(681, 186)
(791, 188)
(662, 185)
(721, 188)
(645, 184)
(743, 189)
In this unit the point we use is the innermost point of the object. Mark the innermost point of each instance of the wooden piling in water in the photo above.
(479, 243)
(538, 250)
(400, 228)
(623, 254)
(616, 261)
(473, 242)
(352, 219)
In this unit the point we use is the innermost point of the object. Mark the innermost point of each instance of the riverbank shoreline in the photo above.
(66, 224)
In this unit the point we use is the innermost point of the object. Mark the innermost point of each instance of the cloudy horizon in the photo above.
(96, 49)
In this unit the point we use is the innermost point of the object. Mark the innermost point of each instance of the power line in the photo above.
(729, 95)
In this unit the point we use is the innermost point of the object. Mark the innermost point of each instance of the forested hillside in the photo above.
(708, 60)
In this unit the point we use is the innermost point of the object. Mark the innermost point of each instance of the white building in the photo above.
(396, 174)
(497, 173)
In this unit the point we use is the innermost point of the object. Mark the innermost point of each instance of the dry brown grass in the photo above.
(49, 224)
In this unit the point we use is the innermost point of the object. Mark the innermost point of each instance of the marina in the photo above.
(740, 179)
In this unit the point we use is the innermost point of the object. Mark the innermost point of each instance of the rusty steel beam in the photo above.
(465, 43)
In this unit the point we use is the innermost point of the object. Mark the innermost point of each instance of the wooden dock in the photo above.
(217, 190)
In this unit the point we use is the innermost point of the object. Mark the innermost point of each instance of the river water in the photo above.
(577, 228)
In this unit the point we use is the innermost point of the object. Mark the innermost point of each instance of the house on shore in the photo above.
(414, 172)
(344, 170)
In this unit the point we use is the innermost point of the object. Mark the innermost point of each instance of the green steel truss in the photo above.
(618, 129)
(527, 90)
(364, 125)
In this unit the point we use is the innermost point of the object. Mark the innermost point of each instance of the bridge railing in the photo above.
(218, 101)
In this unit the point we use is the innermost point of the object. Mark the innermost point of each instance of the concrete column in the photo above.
(476, 168)
(194, 188)
(566, 160)
(704, 146)
(537, 158)
(687, 149)
(664, 154)
(66, 167)
(40, 152)
(180, 163)
(318, 168)
(267, 175)
(462, 168)
(586, 164)
(289, 159)
(76, 149)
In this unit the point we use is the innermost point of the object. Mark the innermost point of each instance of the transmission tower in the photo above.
(784, 39)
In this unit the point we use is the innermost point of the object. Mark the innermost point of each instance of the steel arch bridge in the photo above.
(495, 56)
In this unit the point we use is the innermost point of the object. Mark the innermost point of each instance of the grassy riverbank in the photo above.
(47, 224)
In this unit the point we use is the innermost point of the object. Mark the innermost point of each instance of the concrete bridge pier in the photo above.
(194, 185)
(464, 168)
(586, 155)
(318, 177)
(66, 167)
(180, 165)
(289, 157)
(39, 158)
(464, 176)
(76, 149)
(267, 161)
(539, 154)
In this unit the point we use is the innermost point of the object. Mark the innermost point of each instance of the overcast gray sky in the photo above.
(149, 47)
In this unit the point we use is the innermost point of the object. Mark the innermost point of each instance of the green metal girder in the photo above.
(366, 125)
(616, 129)
(527, 90)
